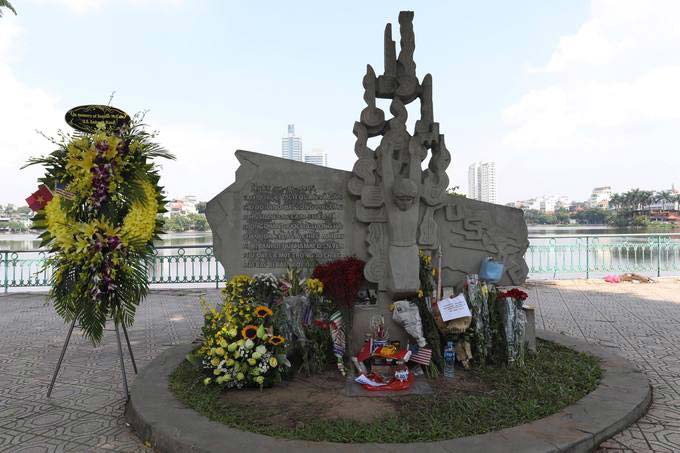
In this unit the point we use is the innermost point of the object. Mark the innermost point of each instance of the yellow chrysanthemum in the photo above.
(140, 222)
(58, 225)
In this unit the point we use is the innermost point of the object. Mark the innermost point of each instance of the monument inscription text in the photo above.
(285, 225)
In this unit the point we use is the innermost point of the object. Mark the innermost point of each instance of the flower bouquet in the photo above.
(513, 321)
(241, 348)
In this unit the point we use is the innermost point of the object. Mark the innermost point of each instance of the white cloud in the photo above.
(572, 114)
(22, 109)
(608, 97)
(616, 31)
(205, 163)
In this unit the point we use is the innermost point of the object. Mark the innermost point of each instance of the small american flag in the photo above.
(61, 190)
(422, 356)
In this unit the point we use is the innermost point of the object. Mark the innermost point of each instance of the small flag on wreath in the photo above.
(39, 199)
(60, 189)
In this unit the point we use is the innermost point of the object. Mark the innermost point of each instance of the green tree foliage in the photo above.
(15, 225)
(593, 216)
(535, 217)
(186, 222)
(630, 207)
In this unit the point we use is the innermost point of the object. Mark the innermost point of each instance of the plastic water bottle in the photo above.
(449, 359)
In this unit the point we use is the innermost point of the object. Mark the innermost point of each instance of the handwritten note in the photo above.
(453, 308)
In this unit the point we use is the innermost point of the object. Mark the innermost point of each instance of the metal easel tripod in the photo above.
(120, 353)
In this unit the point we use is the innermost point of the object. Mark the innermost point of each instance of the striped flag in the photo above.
(422, 356)
(337, 334)
(60, 189)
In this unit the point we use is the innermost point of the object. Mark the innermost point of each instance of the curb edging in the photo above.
(622, 397)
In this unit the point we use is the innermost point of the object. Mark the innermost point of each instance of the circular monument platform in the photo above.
(622, 396)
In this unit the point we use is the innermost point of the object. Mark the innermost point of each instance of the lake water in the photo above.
(555, 251)
(563, 230)
(28, 241)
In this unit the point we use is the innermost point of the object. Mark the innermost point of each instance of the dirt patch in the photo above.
(322, 397)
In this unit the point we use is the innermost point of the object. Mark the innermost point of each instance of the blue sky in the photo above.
(563, 95)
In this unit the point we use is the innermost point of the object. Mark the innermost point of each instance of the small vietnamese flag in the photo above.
(38, 200)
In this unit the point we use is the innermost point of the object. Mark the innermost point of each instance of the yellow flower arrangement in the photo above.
(58, 224)
(314, 286)
(239, 349)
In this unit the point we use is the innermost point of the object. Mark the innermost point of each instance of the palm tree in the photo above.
(616, 201)
(664, 197)
(634, 198)
(646, 198)
(8, 5)
(675, 198)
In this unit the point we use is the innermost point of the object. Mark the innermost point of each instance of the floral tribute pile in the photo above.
(268, 328)
(98, 208)
(241, 347)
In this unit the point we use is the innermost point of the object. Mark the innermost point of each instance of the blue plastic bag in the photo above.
(491, 270)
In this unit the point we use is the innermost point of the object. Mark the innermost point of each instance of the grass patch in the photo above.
(553, 379)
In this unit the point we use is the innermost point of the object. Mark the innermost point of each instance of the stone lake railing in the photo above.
(548, 257)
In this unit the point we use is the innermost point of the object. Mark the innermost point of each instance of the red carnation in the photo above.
(514, 293)
(341, 279)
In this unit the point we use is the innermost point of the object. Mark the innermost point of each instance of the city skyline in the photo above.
(566, 102)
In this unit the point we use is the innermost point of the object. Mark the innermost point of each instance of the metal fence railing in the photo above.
(589, 256)
(548, 257)
(189, 265)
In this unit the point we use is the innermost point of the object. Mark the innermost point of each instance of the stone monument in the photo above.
(281, 213)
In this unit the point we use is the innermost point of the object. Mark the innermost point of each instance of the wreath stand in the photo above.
(120, 353)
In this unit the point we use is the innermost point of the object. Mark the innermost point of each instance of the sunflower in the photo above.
(277, 340)
(249, 331)
(262, 312)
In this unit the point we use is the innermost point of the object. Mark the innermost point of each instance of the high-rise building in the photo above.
(473, 184)
(482, 181)
(600, 197)
(291, 146)
(317, 157)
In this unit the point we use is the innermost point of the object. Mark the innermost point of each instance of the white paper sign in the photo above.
(453, 308)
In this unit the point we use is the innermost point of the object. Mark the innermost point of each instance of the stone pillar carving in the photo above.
(395, 196)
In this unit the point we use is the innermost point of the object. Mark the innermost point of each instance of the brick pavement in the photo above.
(85, 411)
(640, 321)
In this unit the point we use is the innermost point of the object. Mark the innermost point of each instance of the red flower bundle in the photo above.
(514, 293)
(341, 279)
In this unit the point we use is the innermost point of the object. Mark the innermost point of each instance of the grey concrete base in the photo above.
(621, 398)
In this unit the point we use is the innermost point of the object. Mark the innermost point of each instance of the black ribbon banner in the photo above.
(86, 117)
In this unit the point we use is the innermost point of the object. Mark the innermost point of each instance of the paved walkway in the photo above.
(85, 411)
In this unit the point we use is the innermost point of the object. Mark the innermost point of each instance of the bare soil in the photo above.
(322, 396)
